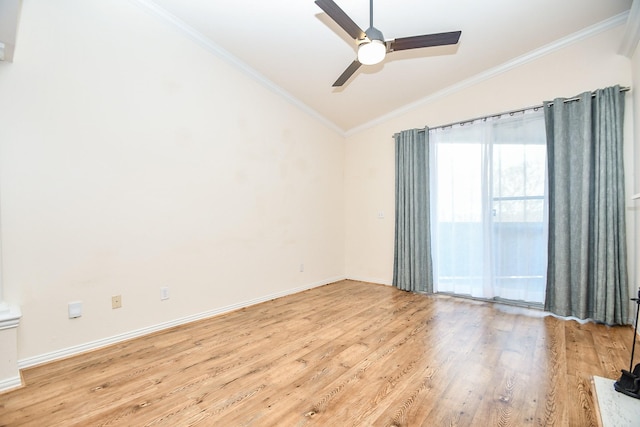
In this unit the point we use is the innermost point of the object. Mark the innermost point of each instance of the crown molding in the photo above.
(632, 31)
(516, 62)
(202, 40)
(209, 45)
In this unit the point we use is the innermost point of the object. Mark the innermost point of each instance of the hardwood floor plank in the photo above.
(551, 359)
(348, 354)
(343, 361)
(510, 402)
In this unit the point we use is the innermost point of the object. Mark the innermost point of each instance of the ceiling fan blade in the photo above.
(347, 73)
(438, 39)
(341, 18)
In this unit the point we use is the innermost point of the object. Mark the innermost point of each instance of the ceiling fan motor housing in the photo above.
(374, 34)
(372, 47)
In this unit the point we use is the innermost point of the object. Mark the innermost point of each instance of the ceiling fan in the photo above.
(372, 47)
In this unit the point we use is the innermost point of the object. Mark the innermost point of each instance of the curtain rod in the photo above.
(593, 95)
(512, 112)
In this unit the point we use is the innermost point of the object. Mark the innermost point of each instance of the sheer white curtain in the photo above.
(489, 204)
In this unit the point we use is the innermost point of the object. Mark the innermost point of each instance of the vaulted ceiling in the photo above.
(293, 47)
(298, 48)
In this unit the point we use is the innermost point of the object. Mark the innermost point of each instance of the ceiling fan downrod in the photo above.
(372, 48)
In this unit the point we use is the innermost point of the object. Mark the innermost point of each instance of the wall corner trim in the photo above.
(9, 316)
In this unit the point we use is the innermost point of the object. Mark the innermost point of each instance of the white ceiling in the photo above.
(294, 48)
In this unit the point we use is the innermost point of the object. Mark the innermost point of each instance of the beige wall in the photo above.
(369, 169)
(131, 159)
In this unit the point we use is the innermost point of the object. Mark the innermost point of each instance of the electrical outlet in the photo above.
(116, 301)
(164, 293)
(301, 267)
(75, 309)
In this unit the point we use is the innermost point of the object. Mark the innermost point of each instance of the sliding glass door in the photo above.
(488, 208)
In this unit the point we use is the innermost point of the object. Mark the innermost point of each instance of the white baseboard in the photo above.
(93, 345)
(371, 280)
(10, 383)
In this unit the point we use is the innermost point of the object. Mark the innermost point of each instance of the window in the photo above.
(488, 192)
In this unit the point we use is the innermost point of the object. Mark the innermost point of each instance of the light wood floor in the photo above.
(344, 354)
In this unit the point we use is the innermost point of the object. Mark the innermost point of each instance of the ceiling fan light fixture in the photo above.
(371, 52)
(372, 47)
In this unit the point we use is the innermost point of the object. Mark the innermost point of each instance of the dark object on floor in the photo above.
(629, 382)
